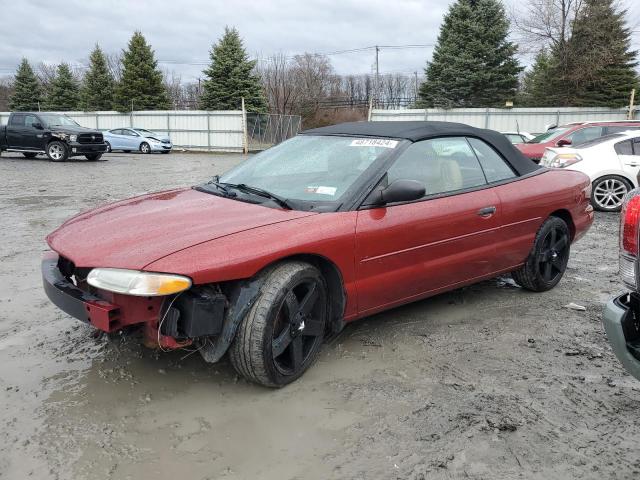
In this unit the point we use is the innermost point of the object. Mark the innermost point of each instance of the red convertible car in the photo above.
(333, 225)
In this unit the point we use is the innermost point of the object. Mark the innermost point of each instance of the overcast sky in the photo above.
(182, 31)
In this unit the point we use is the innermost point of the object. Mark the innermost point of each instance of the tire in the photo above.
(145, 148)
(290, 316)
(548, 259)
(607, 193)
(94, 157)
(29, 154)
(108, 147)
(57, 151)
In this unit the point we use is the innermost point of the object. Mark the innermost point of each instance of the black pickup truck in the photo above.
(53, 134)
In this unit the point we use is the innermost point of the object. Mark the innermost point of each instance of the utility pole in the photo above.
(377, 85)
(415, 95)
(630, 115)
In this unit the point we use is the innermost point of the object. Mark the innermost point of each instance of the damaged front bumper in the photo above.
(78, 303)
(168, 322)
(621, 321)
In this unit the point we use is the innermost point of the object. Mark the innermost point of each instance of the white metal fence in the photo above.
(532, 120)
(223, 131)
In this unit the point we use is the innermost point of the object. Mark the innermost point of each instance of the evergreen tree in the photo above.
(601, 66)
(26, 90)
(141, 85)
(97, 87)
(230, 77)
(64, 92)
(537, 81)
(473, 63)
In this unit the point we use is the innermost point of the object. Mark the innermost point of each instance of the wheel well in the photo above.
(335, 286)
(568, 219)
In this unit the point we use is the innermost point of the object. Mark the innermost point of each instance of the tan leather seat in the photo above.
(450, 175)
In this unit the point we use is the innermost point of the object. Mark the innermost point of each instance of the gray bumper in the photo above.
(614, 314)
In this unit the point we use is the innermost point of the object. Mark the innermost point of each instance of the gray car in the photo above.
(622, 314)
(137, 139)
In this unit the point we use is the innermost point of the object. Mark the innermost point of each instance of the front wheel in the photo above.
(145, 148)
(548, 259)
(283, 332)
(57, 151)
(607, 193)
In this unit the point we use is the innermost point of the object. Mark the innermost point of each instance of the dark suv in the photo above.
(53, 134)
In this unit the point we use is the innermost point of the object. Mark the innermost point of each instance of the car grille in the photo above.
(90, 138)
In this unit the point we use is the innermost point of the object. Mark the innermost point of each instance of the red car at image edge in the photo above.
(573, 134)
(330, 226)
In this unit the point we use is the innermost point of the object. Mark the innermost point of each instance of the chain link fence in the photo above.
(266, 129)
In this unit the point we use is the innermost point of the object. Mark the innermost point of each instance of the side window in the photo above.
(443, 164)
(17, 120)
(494, 166)
(29, 120)
(636, 146)
(585, 134)
(624, 148)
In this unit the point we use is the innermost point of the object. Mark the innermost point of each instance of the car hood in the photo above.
(71, 130)
(135, 232)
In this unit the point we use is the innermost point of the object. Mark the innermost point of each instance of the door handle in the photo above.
(487, 211)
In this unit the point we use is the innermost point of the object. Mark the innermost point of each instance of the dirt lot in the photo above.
(485, 382)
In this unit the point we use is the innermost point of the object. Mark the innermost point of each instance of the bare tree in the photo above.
(114, 64)
(276, 73)
(542, 23)
(6, 89)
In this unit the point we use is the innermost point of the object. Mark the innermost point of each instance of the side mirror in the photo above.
(37, 125)
(563, 142)
(399, 191)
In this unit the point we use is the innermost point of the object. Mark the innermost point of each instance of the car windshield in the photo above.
(57, 120)
(308, 169)
(549, 135)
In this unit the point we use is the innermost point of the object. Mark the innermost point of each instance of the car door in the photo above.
(33, 136)
(132, 139)
(405, 251)
(16, 131)
(628, 152)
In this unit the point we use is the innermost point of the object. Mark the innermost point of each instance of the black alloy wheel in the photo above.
(547, 261)
(283, 332)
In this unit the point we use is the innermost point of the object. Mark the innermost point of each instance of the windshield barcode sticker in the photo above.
(374, 142)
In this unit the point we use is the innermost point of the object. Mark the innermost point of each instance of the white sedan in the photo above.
(612, 162)
(518, 137)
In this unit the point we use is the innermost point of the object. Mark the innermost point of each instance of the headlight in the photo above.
(73, 138)
(563, 160)
(133, 282)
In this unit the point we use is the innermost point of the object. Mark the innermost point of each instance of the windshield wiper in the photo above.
(220, 186)
(261, 193)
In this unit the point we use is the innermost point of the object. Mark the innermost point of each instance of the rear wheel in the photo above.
(548, 259)
(145, 148)
(108, 147)
(29, 154)
(283, 332)
(57, 151)
(607, 193)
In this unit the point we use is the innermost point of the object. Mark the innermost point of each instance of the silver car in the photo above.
(132, 139)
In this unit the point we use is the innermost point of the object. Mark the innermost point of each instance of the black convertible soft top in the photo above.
(422, 130)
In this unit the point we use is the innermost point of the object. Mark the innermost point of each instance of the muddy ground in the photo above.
(485, 382)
